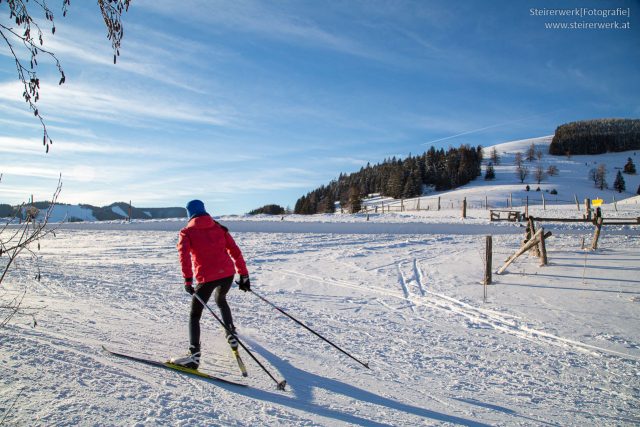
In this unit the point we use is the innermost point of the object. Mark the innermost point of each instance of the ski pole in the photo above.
(366, 365)
(280, 384)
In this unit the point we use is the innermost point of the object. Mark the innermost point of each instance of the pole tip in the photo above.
(282, 384)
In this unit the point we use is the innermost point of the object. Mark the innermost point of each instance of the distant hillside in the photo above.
(596, 137)
(120, 210)
(397, 178)
(85, 212)
(269, 210)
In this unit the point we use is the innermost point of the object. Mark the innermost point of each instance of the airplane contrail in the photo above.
(488, 127)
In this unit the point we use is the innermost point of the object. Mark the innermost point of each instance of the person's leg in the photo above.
(204, 291)
(221, 290)
(192, 359)
(221, 300)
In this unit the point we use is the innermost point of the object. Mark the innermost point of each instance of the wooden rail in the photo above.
(606, 221)
(539, 219)
(513, 216)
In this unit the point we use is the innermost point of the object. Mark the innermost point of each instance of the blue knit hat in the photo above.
(195, 208)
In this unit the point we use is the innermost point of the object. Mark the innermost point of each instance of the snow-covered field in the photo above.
(552, 345)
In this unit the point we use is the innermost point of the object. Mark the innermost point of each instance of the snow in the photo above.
(571, 182)
(61, 213)
(552, 345)
(119, 211)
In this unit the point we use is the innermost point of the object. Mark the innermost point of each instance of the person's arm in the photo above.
(184, 254)
(236, 255)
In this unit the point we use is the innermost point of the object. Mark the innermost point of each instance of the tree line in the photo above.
(396, 178)
(269, 210)
(596, 137)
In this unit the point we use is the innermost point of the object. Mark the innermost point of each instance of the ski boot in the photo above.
(231, 339)
(190, 360)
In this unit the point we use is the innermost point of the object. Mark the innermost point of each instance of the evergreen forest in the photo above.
(596, 137)
(398, 178)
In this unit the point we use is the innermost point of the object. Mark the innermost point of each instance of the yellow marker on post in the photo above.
(596, 202)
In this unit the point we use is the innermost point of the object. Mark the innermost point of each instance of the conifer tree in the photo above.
(619, 183)
(601, 176)
(629, 167)
(490, 173)
(355, 201)
(395, 184)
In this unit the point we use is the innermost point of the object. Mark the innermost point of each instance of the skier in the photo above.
(207, 249)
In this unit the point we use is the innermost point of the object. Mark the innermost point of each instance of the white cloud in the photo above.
(100, 102)
(254, 17)
(144, 59)
(24, 145)
(16, 145)
(30, 170)
(349, 160)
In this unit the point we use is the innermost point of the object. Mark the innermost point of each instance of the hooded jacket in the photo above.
(207, 249)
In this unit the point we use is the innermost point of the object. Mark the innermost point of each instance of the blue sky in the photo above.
(244, 103)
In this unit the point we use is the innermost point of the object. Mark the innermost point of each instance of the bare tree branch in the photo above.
(112, 14)
(22, 28)
(27, 233)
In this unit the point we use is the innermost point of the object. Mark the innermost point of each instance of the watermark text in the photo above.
(592, 18)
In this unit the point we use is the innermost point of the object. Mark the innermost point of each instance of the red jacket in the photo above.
(211, 249)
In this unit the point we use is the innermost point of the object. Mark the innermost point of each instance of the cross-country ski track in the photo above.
(553, 345)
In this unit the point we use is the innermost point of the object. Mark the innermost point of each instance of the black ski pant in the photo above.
(204, 291)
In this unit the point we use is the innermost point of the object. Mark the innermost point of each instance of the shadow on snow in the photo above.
(305, 382)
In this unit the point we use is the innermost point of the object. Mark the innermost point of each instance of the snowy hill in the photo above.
(115, 211)
(549, 345)
(571, 182)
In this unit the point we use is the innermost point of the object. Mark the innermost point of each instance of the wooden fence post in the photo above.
(438, 202)
(543, 249)
(596, 234)
(587, 207)
(486, 202)
(523, 249)
(532, 232)
(510, 200)
(544, 203)
(577, 204)
(488, 261)
(464, 208)
(526, 208)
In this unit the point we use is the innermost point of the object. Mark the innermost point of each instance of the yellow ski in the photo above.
(167, 365)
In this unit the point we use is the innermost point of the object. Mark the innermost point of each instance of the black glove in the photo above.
(188, 286)
(244, 283)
